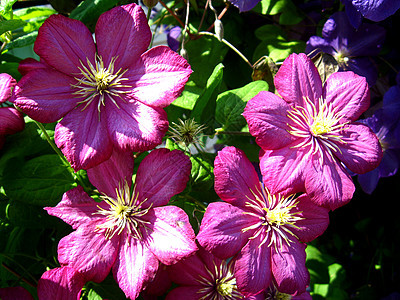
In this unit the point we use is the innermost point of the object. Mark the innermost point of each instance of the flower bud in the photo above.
(219, 29)
(150, 3)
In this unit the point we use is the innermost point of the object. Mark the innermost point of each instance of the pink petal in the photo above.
(266, 115)
(76, 208)
(221, 229)
(161, 175)
(297, 78)
(113, 173)
(158, 77)
(83, 137)
(135, 126)
(45, 95)
(235, 177)
(169, 235)
(186, 292)
(11, 120)
(63, 283)
(89, 252)
(329, 184)
(315, 219)
(15, 293)
(348, 93)
(283, 169)
(361, 151)
(135, 267)
(159, 285)
(288, 268)
(7, 82)
(30, 64)
(253, 267)
(64, 43)
(122, 33)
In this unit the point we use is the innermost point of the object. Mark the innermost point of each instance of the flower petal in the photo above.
(297, 78)
(158, 77)
(348, 93)
(186, 292)
(45, 95)
(135, 267)
(235, 177)
(161, 175)
(266, 115)
(89, 252)
(288, 268)
(30, 64)
(135, 126)
(11, 120)
(7, 82)
(113, 173)
(83, 137)
(169, 235)
(361, 151)
(63, 283)
(76, 208)
(253, 267)
(15, 292)
(64, 43)
(221, 230)
(122, 33)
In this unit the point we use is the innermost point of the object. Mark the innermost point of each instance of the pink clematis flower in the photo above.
(11, 120)
(132, 230)
(308, 134)
(109, 93)
(263, 232)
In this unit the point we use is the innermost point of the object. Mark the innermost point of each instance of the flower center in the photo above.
(342, 57)
(99, 82)
(125, 212)
(226, 288)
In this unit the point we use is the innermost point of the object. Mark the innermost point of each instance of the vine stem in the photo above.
(229, 45)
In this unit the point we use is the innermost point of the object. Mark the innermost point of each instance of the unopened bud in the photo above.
(150, 3)
(183, 53)
(219, 29)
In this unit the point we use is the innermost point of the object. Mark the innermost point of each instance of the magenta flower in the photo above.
(132, 230)
(11, 120)
(15, 292)
(308, 134)
(108, 94)
(263, 232)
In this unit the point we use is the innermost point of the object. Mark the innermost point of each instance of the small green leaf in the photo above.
(10, 25)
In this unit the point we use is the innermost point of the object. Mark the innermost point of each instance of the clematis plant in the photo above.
(263, 232)
(109, 93)
(11, 120)
(131, 231)
(309, 133)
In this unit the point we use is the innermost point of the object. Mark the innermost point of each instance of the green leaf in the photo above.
(34, 16)
(23, 40)
(38, 181)
(204, 109)
(289, 14)
(189, 96)
(202, 172)
(10, 25)
(230, 105)
(6, 6)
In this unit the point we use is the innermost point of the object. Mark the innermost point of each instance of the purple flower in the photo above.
(374, 10)
(351, 48)
(244, 5)
(173, 35)
(11, 120)
(309, 133)
(132, 230)
(109, 93)
(263, 232)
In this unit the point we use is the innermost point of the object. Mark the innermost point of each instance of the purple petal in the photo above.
(158, 77)
(221, 230)
(135, 267)
(89, 252)
(361, 151)
(64, 44)
(316, 42)
(45, 95)
(113, 173)
(161, 175)
(169, 236)
(83, 137)
(76, 208)
(244, 5)
(7, 82)
(63, 283)
(135, 126)
(348, 93)
(30, 64)
(376, 10)
(11, 120)
(186, 292)
(288, 268)
(253, 267)
(266, 115)
(297, 78)
(122, 33)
